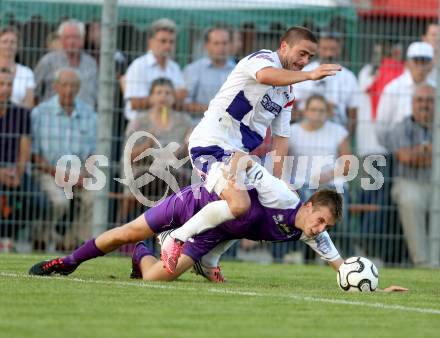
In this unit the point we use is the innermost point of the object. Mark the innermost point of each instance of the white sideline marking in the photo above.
(234, 292)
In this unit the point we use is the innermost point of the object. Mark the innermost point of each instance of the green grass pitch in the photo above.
(267, 301)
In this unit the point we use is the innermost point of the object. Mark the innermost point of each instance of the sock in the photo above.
(140, 251)
(85, 252)
(211, 259)
(208, 217)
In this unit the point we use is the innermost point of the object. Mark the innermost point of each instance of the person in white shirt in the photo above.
(24, 81)
(257, 94)
(312, 139)
(205, 76)
(341, 91)
(395, 101)
(152, 65)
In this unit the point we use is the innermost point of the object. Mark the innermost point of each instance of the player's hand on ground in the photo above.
(324, 70)
(395, 288)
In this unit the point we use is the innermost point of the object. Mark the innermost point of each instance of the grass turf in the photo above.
(99, 300)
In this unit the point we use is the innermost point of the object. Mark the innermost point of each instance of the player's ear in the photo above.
(283, 45)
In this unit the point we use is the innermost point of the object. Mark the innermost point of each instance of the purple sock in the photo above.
(85, 252)
(140, 251)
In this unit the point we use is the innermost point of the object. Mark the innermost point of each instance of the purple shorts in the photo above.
(176, 209)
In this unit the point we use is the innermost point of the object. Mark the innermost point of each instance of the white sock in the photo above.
(211, 259)
(272, 192)
(208, 217)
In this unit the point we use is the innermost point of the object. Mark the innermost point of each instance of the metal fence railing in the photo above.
(376, 108)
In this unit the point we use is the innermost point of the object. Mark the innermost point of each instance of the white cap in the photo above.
(420, 50)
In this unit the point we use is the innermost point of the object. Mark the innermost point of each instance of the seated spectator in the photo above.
(410, 141)
(155, 63)
(167, 126)
(24, 82)
(20, 199)
(64, 125)
(71, 34)
(395, 101)
(93, 47)
(312, 139)
(341, 91)
(237, 45)
(431, 37)
(205, 76)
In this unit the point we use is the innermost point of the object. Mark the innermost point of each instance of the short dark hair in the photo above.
(328, 198)
(208, 32)
(313, 97)
(297, 33)
(163, 24)
(161, 81)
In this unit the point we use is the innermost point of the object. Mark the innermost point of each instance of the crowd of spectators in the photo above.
(50, 111)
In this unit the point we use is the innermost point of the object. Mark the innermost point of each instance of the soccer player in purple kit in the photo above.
(274, 215)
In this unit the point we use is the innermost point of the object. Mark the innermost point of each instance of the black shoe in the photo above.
(46, 268)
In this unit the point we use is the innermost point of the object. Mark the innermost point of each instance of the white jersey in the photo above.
(239, 115)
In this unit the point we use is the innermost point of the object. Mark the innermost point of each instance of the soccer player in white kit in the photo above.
(257, 94)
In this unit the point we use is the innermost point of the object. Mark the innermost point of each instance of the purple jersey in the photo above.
(260, 223)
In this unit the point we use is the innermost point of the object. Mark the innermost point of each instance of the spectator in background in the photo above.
(64, 125)
(71, 35)
(166, 125)
(410, 141)
(340, 91)
(155, 63)
(237, 45)
(395, 101)
(19, 196)
(24, 82)
(205, 76)
(312, 139)
(431, 37)
(93, 46)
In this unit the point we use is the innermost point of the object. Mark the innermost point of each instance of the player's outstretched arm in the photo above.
(283, 77)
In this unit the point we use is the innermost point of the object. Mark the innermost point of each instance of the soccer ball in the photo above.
(358, 274)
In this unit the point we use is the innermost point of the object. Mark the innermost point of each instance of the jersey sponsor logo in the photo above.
(323, 244)
(283, 227)
(270, 106)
